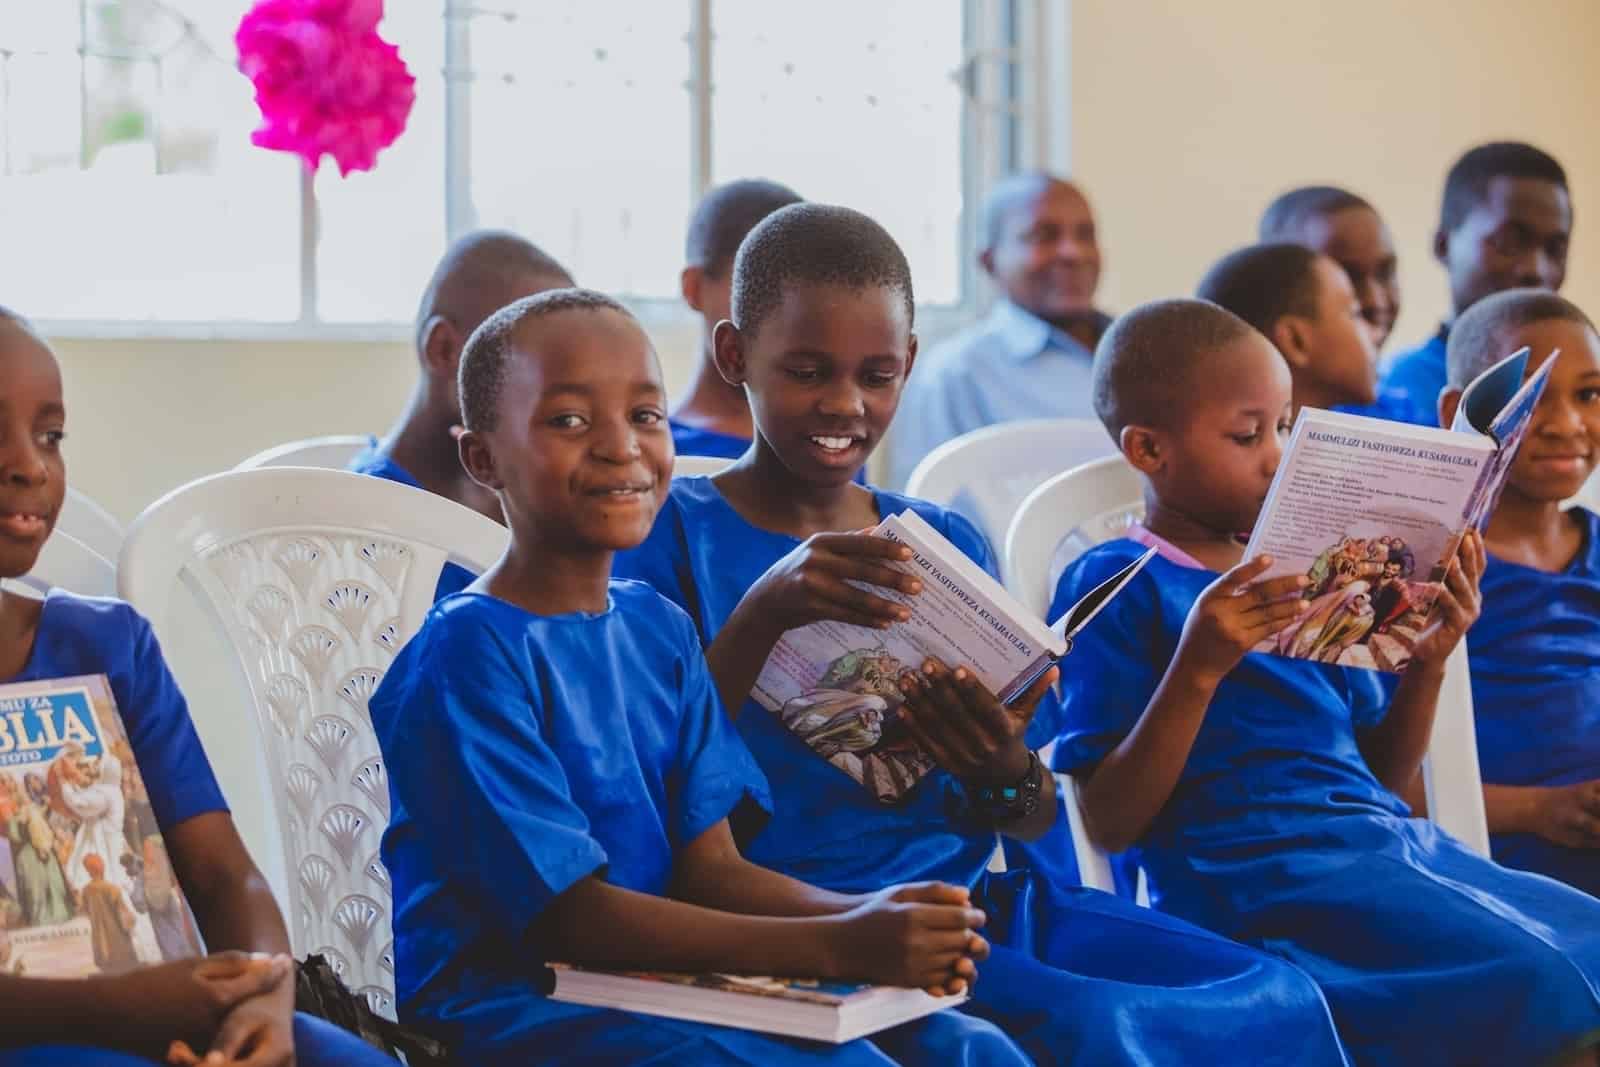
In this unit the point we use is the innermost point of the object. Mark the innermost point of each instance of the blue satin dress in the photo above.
(526, 753)
(1279, 836)
(1536, 693)
(1076, 976)
(84, 635)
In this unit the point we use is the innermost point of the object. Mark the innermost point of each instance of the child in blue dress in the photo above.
(236, 1004)
(563, 775)
(1260, 791)
(821, 338)
(1536, 651)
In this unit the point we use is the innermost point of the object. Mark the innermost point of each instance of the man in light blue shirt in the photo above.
(1030, 357)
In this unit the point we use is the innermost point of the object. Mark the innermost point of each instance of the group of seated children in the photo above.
(579, 773)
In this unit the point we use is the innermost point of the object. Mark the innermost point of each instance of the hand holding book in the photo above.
(1457, 605)
(922, 935)
(964, 727)
(1237, 612)
(817, 583)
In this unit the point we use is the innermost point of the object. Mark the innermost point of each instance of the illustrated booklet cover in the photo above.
(86, 886)
(1372, 511)
(794, 1007)
(837, 686)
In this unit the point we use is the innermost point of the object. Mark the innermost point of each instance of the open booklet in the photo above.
(837, 686)
(1372, 512)
(794, 1007)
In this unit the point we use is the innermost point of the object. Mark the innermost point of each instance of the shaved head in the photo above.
(1486, 332)
(1145, 365)
(482, 272)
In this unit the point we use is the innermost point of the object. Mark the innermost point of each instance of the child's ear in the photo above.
(689, 285)
(1293, 341)
(1142, 448)
(727, 349)
(441, 347)
(1441, 246)
(477, 460)
(1449, 404)
(911, 356)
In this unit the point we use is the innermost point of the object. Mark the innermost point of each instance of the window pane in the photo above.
(851, 103)
(381, 231)
(129, 176)
(580, 136)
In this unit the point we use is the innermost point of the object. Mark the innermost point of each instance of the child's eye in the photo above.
(803, 374)
(569, 421)
(881, 379)
(1589, 395)
(1246, 438)
(51, 439)
(648, 416)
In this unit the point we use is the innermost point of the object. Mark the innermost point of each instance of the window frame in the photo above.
(1015, 76)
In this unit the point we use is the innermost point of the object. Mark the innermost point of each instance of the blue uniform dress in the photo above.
(375, 462)
(1076, 976)
(1416, 377)
(1278, 835)
(1536, 692)
(694, 441)
(526, 753)
(82, 635)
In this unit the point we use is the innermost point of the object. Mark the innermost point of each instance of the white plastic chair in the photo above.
(689, 466)
(335, 451)
(315, 578)
(89, 523)
(67, 563)
(985, 474)
(1096, 502)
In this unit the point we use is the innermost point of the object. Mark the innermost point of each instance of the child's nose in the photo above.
(843, 399)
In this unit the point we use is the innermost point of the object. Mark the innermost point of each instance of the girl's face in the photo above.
(33, 475)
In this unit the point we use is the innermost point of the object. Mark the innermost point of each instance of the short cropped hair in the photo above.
(1144, 361)
(1481, 337)
(1263, 283)
(483, 362)
(1468, 181)
(819, 244)
(1010, 193)
(1286, 217)
(725, 215)
(475, 269)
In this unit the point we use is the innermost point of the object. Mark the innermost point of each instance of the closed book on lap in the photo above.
(793, 1007)
(86, 886)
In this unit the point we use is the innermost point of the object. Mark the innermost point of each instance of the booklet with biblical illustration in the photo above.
(85, 883)
(1372, 511)
(794, 1007)
(837, 686)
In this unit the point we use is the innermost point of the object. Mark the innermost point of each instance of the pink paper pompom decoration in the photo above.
(325, 81)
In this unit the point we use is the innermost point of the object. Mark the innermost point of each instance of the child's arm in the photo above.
(765, 923)
(234, 908)
(1394, 747)
(1128, 788)
(981, 741)
(1566, 815)
(810, 584)
(139, 1011)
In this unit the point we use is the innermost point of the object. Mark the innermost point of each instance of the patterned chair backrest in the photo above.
(316, 578)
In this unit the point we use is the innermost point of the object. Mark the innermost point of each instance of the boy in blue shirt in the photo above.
(563, 775)
(712, 417)
(1304, 304)
(1505, 223)
(1536, 651)
(237, 1004)
(1261, 794)
(821, 338)
(1347, 229)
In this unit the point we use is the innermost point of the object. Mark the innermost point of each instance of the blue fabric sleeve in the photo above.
(1370, 694)
(472, 768)
(1114, 667)
(717, 773)
(177, 775)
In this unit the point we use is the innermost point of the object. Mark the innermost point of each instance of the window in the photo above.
(134, 200)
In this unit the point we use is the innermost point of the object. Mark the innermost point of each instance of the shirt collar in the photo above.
(1023, 335)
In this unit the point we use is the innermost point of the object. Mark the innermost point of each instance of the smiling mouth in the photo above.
(835, 443)
(621, 492)
(24, 523)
